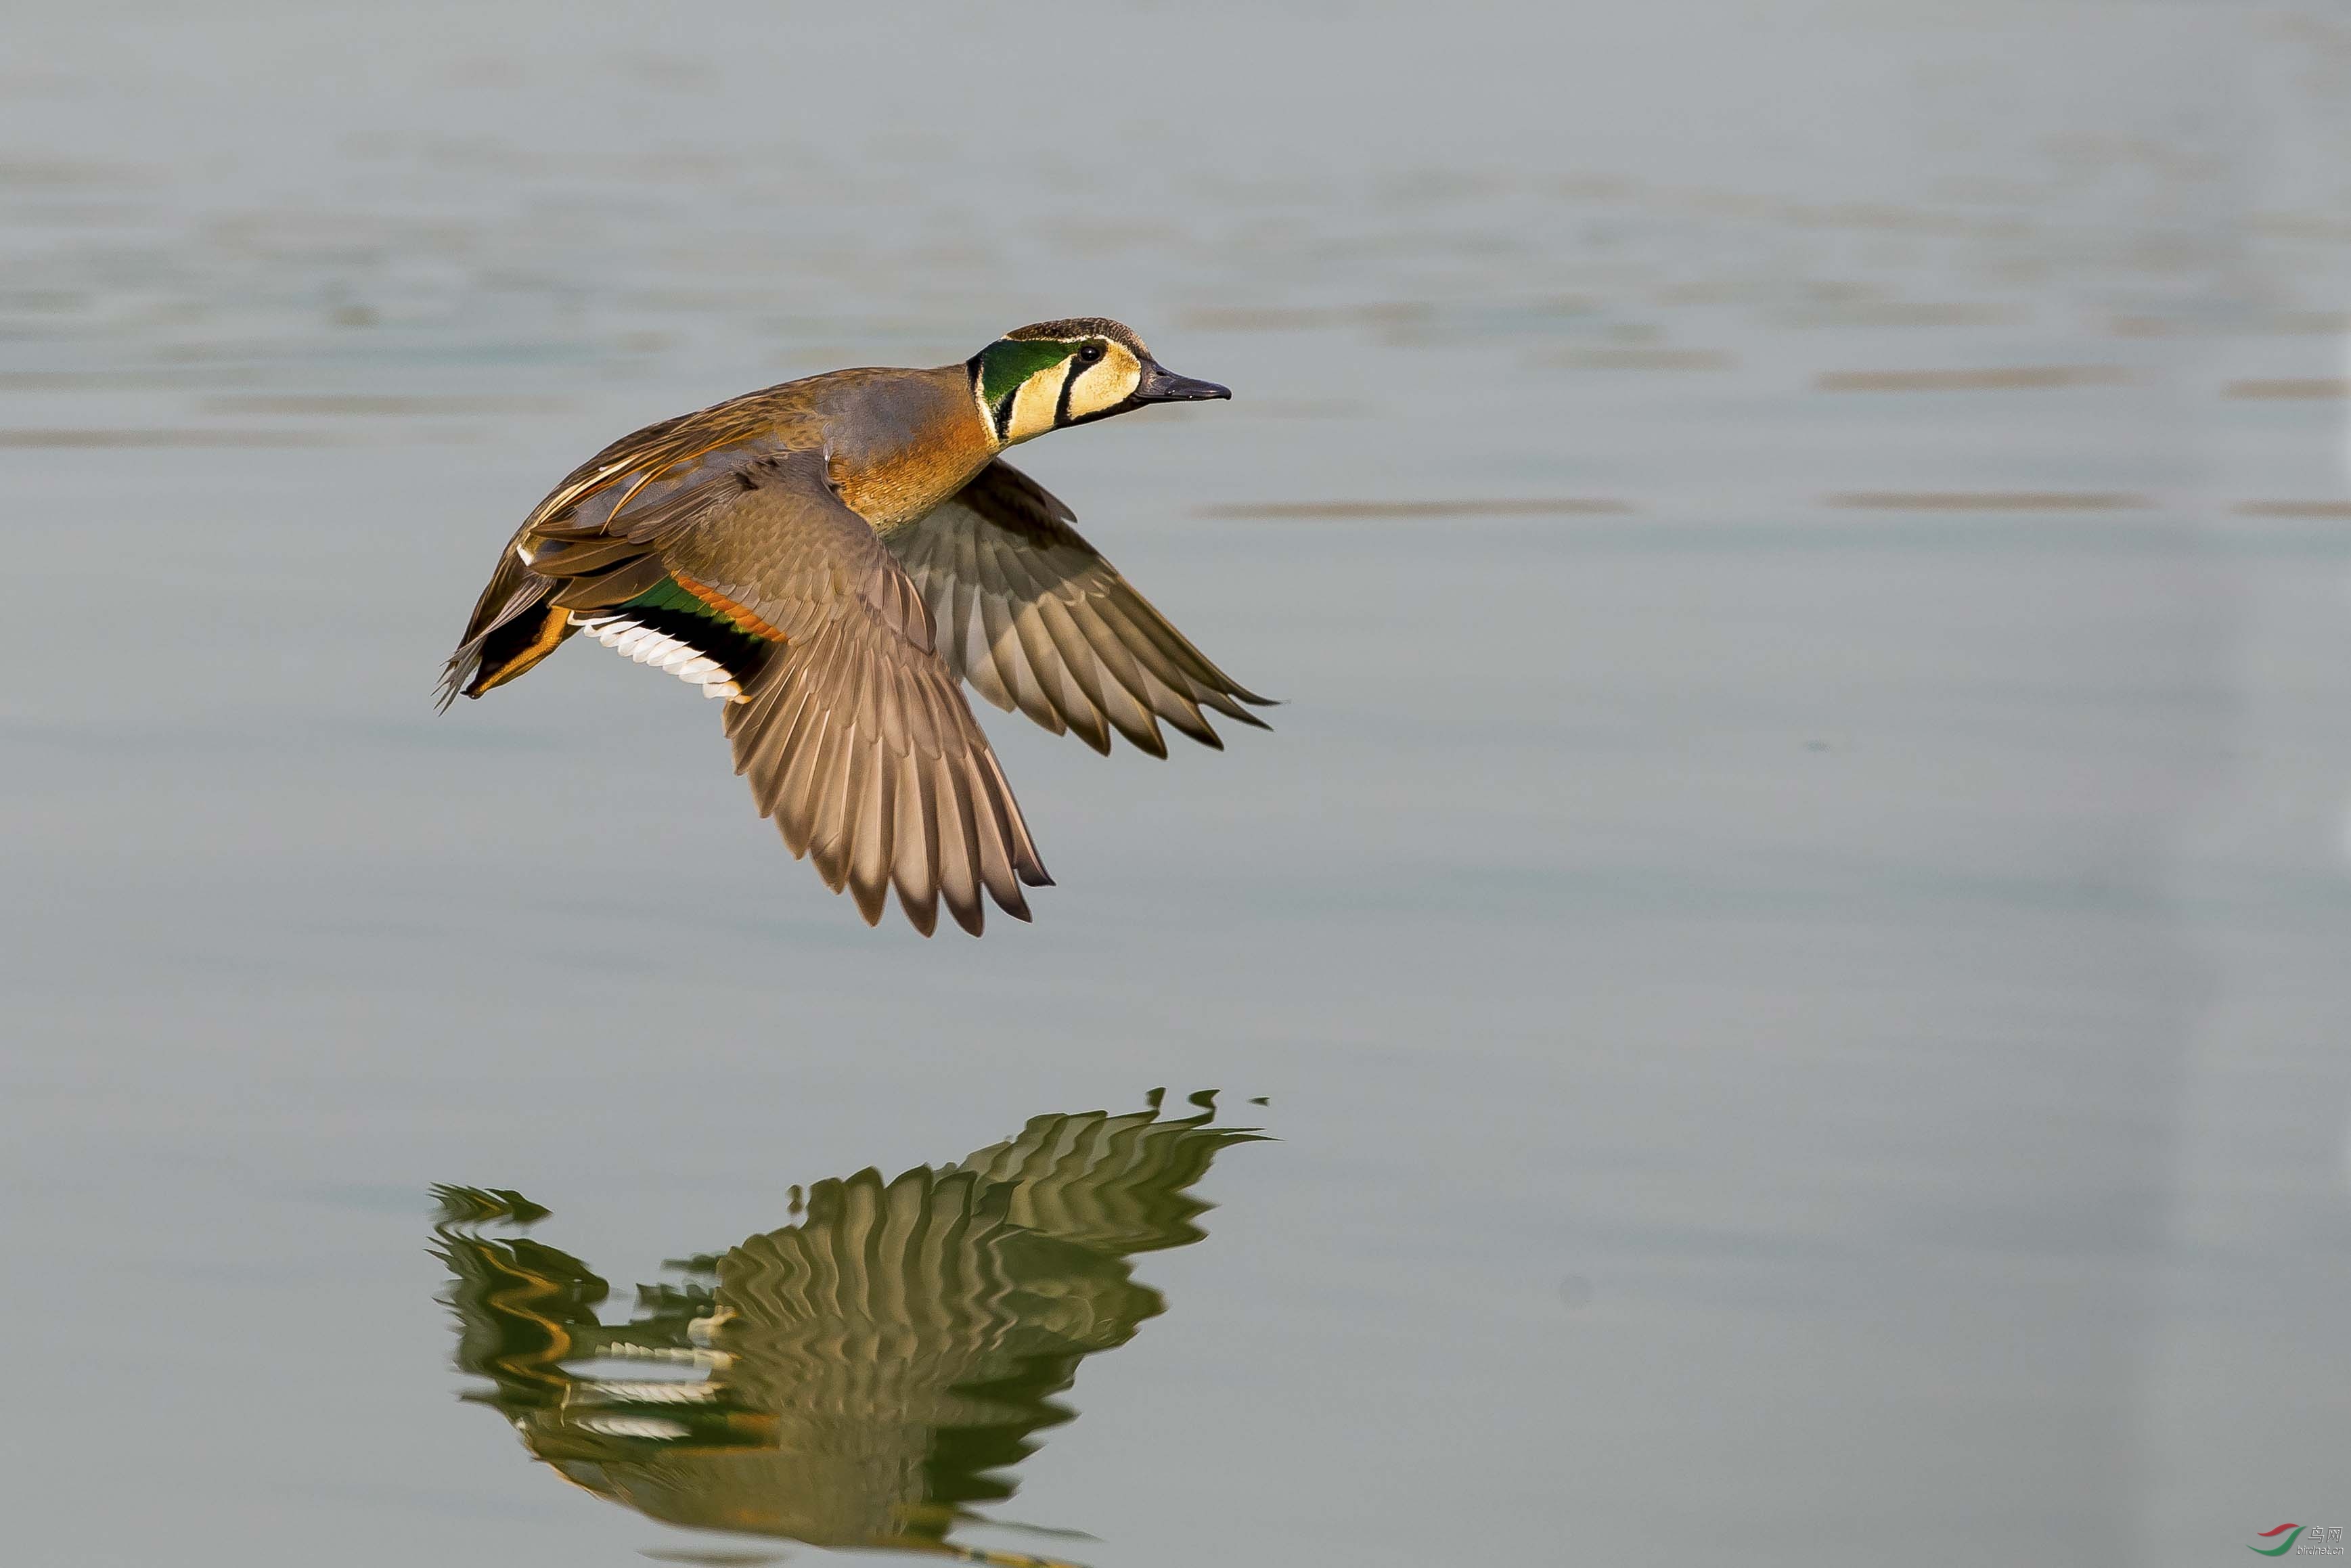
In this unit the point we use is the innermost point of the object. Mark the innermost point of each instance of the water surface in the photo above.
(1789, 927)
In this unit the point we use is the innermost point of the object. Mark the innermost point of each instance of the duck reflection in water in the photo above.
(859, 1378)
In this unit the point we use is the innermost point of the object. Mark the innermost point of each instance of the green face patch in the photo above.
(1006, 363)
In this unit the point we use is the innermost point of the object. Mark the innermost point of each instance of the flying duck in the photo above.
(830, 558)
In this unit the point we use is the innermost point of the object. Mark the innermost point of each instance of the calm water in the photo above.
(1787, 944)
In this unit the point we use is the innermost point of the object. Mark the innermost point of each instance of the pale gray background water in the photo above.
(1802, 1016)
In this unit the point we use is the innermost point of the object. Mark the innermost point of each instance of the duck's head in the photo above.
(1057, 373)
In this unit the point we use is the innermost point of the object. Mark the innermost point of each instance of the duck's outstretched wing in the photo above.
(849, 726)
(1033, 617)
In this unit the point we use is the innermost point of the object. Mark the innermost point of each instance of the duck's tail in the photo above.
(513, 627)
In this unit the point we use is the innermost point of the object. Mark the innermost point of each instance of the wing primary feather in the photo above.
(1007, 646)
(1085, 614)
(1228, 706)
(827, 800)
(1181, 659)
(781, 713)
(979, 663)
(779, 716)
(1180, 711)
(1125, 695)
(1024, 860)
(1080, 671)
(915, 855)
(959, 878)
(994, 843)
(868, 827)
(793, 814)
(1160, 655)
(1036, 645)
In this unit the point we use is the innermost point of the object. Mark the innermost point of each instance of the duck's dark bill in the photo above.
(1160, 384)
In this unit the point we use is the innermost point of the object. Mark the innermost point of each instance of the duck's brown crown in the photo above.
(1082, 327)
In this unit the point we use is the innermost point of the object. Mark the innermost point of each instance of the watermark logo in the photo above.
(2303, 1541)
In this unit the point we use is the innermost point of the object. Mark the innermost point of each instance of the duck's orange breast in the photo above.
(899, 442)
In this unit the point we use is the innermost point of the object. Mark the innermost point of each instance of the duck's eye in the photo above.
(1090, 354)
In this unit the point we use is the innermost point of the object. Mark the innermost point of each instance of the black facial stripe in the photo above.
(1004, 414)
(1070, 371)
